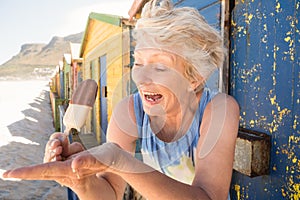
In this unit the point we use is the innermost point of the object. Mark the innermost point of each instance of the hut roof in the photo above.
(107, 18)
(67, 58)
(75, 51)
(136, 8)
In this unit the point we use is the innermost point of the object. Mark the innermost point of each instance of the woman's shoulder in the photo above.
(126, 105)
(225, 98)
(122, 127)
(222, 102)
(221, 117)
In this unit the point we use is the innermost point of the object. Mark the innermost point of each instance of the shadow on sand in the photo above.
(26, 147)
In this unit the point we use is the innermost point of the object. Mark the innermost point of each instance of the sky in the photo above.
(37, 21)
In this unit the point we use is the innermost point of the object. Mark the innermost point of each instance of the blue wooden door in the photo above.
(103, 97)
(62, 84)
(94, 112)
(265, 82)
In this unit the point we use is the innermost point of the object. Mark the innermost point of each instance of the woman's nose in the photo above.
(141, 75)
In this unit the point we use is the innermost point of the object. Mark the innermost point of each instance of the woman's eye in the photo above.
(138, 65)
(160, 68)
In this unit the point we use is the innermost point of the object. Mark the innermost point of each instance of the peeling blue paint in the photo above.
(265, 81)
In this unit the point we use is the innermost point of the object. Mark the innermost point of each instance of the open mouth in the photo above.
(152, 97)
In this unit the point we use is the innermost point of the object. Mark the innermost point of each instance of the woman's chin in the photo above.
(155, 110)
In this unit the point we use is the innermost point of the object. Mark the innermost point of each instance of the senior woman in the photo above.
(186, 131)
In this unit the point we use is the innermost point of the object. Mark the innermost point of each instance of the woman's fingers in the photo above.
(58, 148)
(97, 159)
(69, 149)
(52, 150)
(65, 145)
(56, 135)
(74, 148)
(46, 171)
(86, 165)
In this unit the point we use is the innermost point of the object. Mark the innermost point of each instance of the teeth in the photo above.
(150, 93)
(150, 99)
(151, 96)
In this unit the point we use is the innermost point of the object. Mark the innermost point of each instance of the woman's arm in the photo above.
(214, 160)
(121, 137)
(113, 164)
(215, 150)
(92, 180)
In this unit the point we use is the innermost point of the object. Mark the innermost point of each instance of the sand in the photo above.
(25, 126)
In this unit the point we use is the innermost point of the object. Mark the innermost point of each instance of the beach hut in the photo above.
(105, 50)
(61, 84)
(53, 80)
(76, 65)
(67, 75)
(57, 94)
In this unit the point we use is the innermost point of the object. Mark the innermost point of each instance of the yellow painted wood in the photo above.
(105, 39)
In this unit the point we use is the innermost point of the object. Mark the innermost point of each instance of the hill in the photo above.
(38, 60)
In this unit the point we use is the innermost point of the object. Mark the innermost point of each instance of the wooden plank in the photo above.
(264, 72)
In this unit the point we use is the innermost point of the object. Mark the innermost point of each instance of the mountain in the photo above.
(35, 55)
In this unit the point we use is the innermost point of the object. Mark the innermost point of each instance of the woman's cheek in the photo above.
(141, 75)
(135, 76)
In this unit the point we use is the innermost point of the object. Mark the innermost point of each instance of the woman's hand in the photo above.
(61, 172)
(75, 172)
(91, 174)
(58, 148)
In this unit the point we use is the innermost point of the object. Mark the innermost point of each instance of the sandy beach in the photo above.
(25, 126)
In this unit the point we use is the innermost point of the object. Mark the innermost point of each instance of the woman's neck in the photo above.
(174, 125)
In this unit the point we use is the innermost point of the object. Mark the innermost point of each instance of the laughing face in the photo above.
(160, 81)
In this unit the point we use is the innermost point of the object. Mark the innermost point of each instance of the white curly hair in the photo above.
(182, 31)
